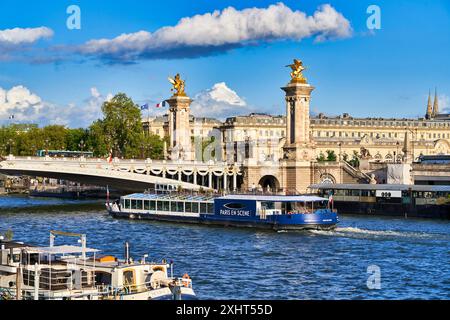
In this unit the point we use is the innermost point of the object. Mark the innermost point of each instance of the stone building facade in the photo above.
(280, 152)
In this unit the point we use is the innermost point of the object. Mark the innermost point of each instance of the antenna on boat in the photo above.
(127, 252)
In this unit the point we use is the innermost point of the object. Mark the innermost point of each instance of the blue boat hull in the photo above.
(325, 220)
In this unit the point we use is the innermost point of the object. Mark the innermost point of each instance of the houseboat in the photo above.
(423, 201)
(69, 272)
(252, 211)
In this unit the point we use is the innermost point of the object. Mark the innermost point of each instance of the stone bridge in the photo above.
(129, 175)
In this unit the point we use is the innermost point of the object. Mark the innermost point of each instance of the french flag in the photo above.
(110, 157)
(161, 104)
(331, 202)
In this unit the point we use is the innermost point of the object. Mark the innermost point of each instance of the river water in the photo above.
(413, 256)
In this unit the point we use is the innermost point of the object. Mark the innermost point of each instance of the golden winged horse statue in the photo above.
(178, 85)
(297, 69)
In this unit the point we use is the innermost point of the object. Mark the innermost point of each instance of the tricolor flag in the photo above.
(331, 201)
(161, 104)
(11, 117)
(145, 107)
(110, 158)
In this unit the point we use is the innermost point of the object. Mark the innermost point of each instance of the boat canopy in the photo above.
(170, 197)
(275, 198)
(59, 250)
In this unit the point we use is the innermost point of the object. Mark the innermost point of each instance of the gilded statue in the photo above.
(178, 85)
(297, 69)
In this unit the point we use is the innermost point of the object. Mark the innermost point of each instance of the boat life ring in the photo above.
(186, 279)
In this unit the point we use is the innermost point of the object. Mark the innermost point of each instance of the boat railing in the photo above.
(108, 290)
(55, 280)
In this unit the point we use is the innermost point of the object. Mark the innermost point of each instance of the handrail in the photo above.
(358, 173)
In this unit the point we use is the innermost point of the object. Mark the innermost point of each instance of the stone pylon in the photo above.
(299, 150)
(179, 128)
(299, 144)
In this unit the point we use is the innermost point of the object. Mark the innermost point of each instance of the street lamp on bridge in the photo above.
(46, 146)
(10, 144)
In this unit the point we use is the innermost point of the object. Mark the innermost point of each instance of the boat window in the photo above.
(188, 206)
(210, 208)
(180, 207)
(320, 205)
(268, 205)
(203, 207)
(152, 205)
(135, 205)
(166, 206)
(146, 205)
(195, 207)
(128, 278)
(127, 204)
(159, 205)
(103, 278)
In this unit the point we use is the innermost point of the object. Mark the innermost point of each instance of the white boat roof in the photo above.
(60, 250)
(274, 198)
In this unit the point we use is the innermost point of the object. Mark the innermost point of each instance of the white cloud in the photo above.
(221, 31)
(18, 100)
(24, 36)
(219, 102)
(14, 41)
(30, 108)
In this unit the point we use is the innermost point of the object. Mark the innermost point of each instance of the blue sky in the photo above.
(386, 73)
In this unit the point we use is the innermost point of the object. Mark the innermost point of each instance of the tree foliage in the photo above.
(120, 130)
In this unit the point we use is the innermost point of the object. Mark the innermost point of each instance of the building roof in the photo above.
(387, 187)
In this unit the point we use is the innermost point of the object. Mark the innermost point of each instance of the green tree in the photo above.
(321, 157)
(54, 137)
(120, 129)
(75, 138)
(331, 156)
(97, 140)
(355, 160)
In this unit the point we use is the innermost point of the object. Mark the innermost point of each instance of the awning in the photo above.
(60, 250)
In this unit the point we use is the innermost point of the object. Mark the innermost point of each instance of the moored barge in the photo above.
(421, 201)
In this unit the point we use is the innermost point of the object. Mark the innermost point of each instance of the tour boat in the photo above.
(254, 211)
(78, 273)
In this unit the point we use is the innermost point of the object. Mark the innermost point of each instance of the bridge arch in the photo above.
(270, 181)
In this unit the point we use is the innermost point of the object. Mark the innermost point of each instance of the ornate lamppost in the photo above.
(10, 144)
(46, 146)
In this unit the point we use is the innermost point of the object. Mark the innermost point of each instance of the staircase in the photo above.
(354, 175)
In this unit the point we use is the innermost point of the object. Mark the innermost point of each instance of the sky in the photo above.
(232, 54)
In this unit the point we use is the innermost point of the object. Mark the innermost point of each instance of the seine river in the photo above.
(413, 255)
